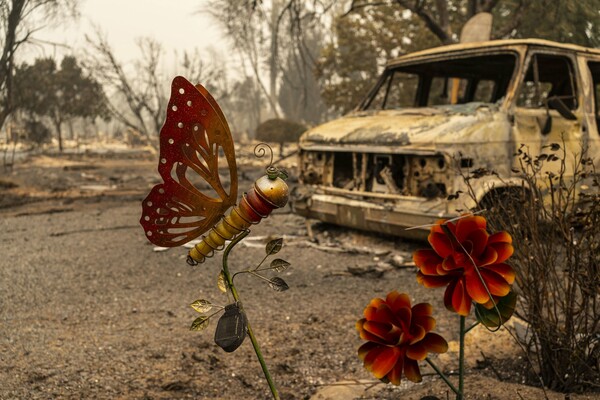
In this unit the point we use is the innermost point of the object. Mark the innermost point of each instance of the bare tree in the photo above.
(272, 39)
(143, 110)
(143, 89)
(18, 23)
(249, 36)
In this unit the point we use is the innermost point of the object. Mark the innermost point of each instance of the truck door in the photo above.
(548, 108)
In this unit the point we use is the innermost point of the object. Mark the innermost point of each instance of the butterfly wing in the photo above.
(192, 197)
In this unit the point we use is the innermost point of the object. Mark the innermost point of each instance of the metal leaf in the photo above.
(490, 318)
(283, 174)
(279, 265)
(274, 246)
(200, 323)
(201, 305)
(278, 284)
(221, 283)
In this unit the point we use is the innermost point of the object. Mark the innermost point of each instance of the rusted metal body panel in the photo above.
(392, 163)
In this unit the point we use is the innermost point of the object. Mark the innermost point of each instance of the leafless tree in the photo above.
(141, 92)
(271, 38)
(19, 20)
(138, 96)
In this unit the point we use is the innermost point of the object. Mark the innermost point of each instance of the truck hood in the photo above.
(429, 127)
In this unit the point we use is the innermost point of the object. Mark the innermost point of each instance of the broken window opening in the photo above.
(470, 79)
(548, 76)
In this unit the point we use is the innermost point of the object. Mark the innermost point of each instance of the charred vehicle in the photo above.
(392, 162)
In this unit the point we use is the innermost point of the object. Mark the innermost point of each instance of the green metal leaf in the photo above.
(489, 317)
(221, 283)
(278, 284)
(274, 246)
(200, 323)
(283, 174)
(279, 265)
(201, 305)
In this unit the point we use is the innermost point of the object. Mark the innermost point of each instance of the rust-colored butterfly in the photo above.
(192, 197)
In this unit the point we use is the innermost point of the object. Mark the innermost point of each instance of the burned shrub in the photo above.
(279, 131)
(553, 219)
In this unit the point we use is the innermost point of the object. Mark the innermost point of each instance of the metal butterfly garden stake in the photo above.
(193, 199)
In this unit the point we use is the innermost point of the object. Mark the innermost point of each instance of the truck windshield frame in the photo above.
(440, 82)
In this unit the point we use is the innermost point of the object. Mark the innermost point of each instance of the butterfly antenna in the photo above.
(260, 150)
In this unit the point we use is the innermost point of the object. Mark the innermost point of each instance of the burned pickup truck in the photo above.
(392, 162)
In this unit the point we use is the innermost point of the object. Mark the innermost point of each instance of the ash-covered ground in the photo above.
(90, 309)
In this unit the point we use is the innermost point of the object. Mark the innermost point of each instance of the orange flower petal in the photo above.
(504, 250)
(426, 260)
(359, 324)
(476, 288)
(422, 309)
(382, 360)
(434, 343)
(366, 348)
(366, 335)
(383, 331)
(416, 351)
(495, 282)
(504, 270)
(456, 298)
(396, 301)
(425, 321)
(437, 226)
(489, 256)
(395, 375)
(403, 317)
(465, 226)
(372, 307)
(500, 237)
(383, 313)
(479, 240)
(450, 265)
(433, 281)
(441, 244)
(411, 370)
(416, 334)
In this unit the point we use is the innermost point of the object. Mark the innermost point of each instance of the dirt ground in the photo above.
(89, 309)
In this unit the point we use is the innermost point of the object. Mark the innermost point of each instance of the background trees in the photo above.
(304, 61)
(19, 20)
(138, 94)
(278, 43)
(43, 91)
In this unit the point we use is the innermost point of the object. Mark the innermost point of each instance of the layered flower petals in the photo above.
(394, 345)
(468, 260)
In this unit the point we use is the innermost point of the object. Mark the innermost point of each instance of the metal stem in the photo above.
(236, 297)
(442, 375)
(461, 360)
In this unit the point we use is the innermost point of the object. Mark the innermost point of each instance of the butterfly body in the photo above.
(267, 194)
(193, 196)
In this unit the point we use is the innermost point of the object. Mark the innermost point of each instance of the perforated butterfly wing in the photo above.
(192, 197)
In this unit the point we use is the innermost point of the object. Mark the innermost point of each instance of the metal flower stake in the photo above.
(193, 199)
(470, 263)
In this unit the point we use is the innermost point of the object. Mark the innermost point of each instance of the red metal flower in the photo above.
(398, 336)
(464, 257)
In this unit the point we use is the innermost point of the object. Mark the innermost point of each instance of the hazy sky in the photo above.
(176, 24)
